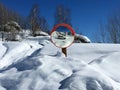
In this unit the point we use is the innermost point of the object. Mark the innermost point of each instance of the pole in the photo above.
(64, 50)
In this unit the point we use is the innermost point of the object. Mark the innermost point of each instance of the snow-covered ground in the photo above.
(36, 64)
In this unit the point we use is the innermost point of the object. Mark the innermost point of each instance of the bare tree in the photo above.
(110, 31)
(3, 19)
(113, 27)
(7, 15)
(34, 18)
(62, 15)
(103, 34)
(37, 23)
(44, 25)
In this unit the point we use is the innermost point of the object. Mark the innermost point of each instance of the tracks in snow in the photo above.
(102, 58)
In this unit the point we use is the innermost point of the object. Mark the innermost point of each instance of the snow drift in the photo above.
(36, 64)
(81, 39)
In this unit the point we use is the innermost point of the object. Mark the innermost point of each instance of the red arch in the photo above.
(64, 25)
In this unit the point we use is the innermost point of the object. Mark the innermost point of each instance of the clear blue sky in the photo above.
(86, 14)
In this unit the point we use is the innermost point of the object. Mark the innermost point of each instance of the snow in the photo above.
(36, 64)
(43, 33)
(82, 38)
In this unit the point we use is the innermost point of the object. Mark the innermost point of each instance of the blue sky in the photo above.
(85, 14)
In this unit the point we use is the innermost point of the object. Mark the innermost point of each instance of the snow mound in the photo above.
(36, 64)
(81, 39)
(89, 78)
(43, 33)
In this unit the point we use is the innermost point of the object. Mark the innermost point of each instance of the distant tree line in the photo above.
(34, 21)
(7, 15)
(39, 23)
(109, 32)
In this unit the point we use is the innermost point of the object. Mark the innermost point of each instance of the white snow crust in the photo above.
(36, 64)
